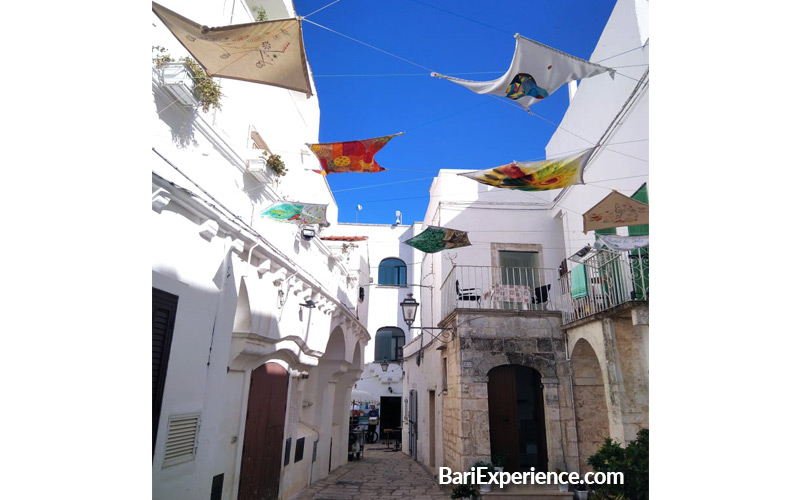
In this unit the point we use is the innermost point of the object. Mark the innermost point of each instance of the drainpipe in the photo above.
(250, 254)
(572, 398)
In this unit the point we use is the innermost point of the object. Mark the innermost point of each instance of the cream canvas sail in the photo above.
(616, 210)
(268, 52)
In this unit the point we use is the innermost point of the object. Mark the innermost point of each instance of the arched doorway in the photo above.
(591, 410)
(516, 417)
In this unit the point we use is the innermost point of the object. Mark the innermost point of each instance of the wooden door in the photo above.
(503, 434)
(516, 417)
(412, 423)
(263, 435)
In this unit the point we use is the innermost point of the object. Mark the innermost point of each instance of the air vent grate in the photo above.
(181, 439)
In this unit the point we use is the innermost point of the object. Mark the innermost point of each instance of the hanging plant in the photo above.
(207, 92)
(275, 163)
(161, 57)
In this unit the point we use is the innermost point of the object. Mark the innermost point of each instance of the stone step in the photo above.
(527, 491)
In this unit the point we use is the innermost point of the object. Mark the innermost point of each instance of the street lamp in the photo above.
(409, 307)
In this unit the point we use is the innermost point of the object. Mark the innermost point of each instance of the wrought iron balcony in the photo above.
(501, 288)
(605, 280)
(601, 282)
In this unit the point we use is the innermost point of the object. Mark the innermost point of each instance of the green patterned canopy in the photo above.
(435, 239)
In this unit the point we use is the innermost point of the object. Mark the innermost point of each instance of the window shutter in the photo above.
(642, 229)
(608, 230)
(165, 306)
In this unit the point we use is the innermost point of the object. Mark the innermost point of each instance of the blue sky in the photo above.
(365, 93)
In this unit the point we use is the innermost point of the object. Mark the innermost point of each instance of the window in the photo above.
(444, 374)
(519, 268)
(392, 272)
(389, 342)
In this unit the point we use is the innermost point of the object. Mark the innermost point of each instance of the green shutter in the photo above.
(643, 229)
(608, 230)
(640, 259)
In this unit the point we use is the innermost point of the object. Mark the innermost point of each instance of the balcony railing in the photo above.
(611, 279)
(502, 288)
(605, 280)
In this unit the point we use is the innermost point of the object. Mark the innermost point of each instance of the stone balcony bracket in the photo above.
(161, 198)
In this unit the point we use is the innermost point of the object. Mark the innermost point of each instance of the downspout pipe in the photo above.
(249, 255)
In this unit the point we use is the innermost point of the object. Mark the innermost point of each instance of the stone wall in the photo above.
(609, 362)
(497, 338)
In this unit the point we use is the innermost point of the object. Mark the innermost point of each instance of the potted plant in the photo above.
(464, 491)
(562, 487)
(206, 90)
(484, 488)
(275, 163)
(582, 492)
(499, 460)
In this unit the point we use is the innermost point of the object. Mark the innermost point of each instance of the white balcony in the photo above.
(177, 80)
(501, 288)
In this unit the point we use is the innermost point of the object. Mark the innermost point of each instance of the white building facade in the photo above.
(256, 337)
(392, 271)
(511, 319)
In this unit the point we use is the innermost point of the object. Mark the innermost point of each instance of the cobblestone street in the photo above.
(379, 474)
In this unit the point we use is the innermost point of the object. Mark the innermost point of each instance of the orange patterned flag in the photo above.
(352, 156)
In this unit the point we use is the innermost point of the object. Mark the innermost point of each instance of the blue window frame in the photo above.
(392, 272)
(389, 342)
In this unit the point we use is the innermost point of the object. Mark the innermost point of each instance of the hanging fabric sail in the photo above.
(536, 72)
(298, 213)
(615, 210)
(435, 239)
(535, 175)
(268, 52)
(352, 156)
(621, 243)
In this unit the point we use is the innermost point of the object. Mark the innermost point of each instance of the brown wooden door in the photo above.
(516, 417)
(263, 433)
(503, 434)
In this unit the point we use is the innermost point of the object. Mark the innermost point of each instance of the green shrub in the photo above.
(206, 90)
(275, 163)
(464, 491)
(632, 461)
(161, 56)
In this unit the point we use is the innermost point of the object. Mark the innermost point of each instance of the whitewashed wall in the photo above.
(220, 292)
(624, 164)
(384, 241)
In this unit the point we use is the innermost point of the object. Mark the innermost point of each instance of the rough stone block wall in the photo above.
(485, 342)
(633, 365)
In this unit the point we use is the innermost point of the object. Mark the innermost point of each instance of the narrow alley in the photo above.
(380, 473)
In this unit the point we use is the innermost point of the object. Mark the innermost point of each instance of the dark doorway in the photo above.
(516, 417)
(390, 414)
(262, 449)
